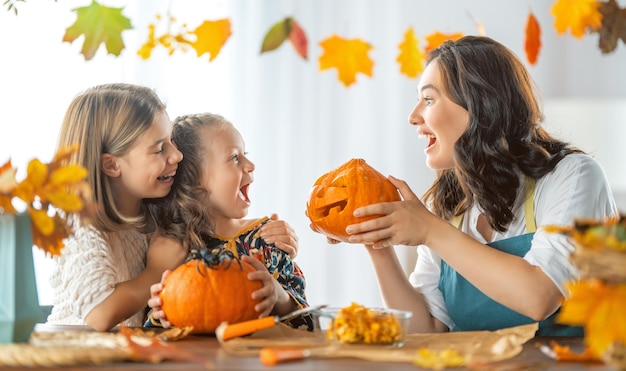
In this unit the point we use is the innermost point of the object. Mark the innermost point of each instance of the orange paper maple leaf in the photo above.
(532, 44)
(411, 58)
(100, 25)
(437, 38)
(577, 15)
(211, 37)
(348, 56)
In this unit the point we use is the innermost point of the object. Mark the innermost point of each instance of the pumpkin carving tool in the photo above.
(247, 327)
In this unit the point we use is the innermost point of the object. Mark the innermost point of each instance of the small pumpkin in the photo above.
(336, 194)
(211, 287)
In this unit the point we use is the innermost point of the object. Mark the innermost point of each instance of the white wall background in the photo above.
(299, 122)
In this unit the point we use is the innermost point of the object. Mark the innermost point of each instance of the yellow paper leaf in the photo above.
(411, 58)
(576, 15)
(211, 37)
(348, 56)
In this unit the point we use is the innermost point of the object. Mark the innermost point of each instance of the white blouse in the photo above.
(90, 266)
(577, 188)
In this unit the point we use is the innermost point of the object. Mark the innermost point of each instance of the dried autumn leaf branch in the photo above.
(53, 193)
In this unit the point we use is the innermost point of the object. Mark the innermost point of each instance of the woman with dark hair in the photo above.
(484, 259)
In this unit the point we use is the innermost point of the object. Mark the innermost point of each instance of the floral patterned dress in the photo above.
(278, 263)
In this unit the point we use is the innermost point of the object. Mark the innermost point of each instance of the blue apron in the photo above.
(471, 310)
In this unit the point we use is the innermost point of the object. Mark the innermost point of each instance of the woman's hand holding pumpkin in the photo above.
(274, 299)
(399, 223)
(155, 301)
(282, 235)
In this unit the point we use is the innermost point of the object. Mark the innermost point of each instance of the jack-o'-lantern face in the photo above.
(336, 194)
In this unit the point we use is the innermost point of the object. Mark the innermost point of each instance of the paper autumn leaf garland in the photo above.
(287, 29)
(411, 58)
(532, 43)
(348, 56)
(100, 25)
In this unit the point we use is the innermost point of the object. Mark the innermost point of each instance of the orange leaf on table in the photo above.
(348, 56)
(576, 15)
(532, 44)
(437, 38)
(565, 353)
(411, 58)
(100, 25)
(211, 37)
(613, 26)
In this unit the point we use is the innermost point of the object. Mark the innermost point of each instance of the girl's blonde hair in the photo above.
(108, 119)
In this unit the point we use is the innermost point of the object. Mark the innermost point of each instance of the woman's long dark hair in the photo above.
(503, 139)
(182, 214)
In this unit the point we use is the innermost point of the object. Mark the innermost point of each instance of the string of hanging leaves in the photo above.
(100, 24)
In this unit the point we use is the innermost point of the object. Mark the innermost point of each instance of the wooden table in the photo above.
(209, 348)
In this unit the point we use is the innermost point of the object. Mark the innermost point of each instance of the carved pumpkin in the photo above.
(336, 194)
(208, 289)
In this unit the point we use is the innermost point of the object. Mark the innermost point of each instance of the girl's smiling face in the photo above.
(227, 172)
(438, 119)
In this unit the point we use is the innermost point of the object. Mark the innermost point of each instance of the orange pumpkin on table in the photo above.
(210, 288)
(336, 194)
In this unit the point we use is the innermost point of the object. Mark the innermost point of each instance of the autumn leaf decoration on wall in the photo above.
(348, 56)
(286, 29)
(100, 25)
(532, 44)
(209, 37)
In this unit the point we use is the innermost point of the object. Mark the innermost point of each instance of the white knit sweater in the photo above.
(89, 267)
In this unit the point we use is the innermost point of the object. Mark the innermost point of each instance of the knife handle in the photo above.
(248, 327)
(272, 356)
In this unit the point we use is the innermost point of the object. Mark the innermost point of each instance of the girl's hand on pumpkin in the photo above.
(271, 295)
(155, 301)
(282, 235)
(399, 223)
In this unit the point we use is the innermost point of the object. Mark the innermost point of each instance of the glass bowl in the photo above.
(356, 324)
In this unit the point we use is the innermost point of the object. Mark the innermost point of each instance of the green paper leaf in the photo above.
(100, 25)
(277, 34)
